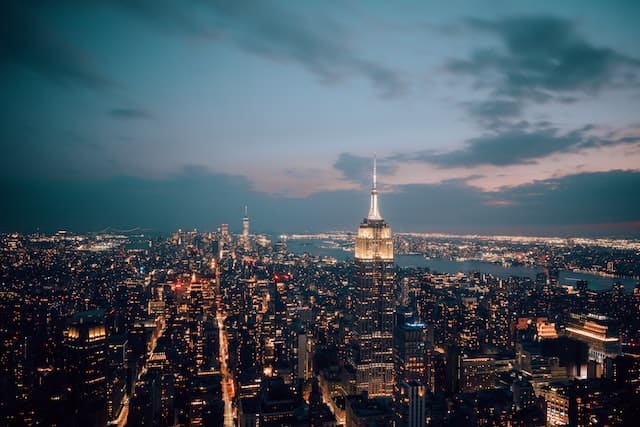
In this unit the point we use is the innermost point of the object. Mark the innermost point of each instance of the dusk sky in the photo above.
(486, 116)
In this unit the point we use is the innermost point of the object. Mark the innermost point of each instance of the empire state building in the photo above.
(374, 310)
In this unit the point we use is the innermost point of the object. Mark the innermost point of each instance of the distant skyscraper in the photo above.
(374, 283)
(225, 240)
(224, 232)
(245, 229)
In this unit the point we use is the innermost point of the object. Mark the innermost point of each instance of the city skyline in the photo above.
(510, 119)
(205, 328)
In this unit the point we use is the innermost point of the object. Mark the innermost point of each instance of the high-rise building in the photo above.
(410, 351)
(599, 333)
(245, 229)
(116, 374)
(225, 240)
(409, 346)
(374, 278)
(303, 363)
(86, 365)
(411, 404)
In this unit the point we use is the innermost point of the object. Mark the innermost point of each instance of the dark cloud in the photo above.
(317, 43)
(508, 148)
(169, 16)
(518, 144)
(26, 40)
(589, 204)
(544, 57)
(93, 204)
(127, 202)
(597, 197)
(493, 113)
(593, 203)
(130, 113)
(27, 151)
(360, 169)
(269, 30)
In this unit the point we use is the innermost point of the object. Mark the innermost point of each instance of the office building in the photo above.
(374, 278)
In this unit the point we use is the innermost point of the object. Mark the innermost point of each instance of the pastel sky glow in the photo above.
(502, 116)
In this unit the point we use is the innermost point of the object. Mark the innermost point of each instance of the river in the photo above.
(441, 265)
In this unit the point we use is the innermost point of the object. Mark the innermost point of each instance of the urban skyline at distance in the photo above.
(233, 329)
(519, 118)
(272, 213)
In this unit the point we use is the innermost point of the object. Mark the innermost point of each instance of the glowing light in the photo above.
(591, 335)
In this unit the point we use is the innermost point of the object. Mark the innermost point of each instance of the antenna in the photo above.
(375, 158)
(374, 212)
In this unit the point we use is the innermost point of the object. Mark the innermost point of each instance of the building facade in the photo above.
(374, 278)
(86, 364)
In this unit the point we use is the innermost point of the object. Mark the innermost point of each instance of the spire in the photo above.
(374, 212)
(375, 158)
(245, 211)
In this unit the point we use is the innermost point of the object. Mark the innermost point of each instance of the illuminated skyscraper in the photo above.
(410, 353)
(374, 281)
(245, 229)
(86, 364)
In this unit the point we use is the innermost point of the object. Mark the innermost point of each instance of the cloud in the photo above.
(32, 150)
(493, 113)
(130, 113)
(277, 33)
(589, 204)
(169, 16)
(544, 58)
(513, 145)
(126, 202)
(360, 169)
(317, 43)
(26, 41)
(600, 197)
(594, 203)
(267, 29)
(507, 148)
(94, 204)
